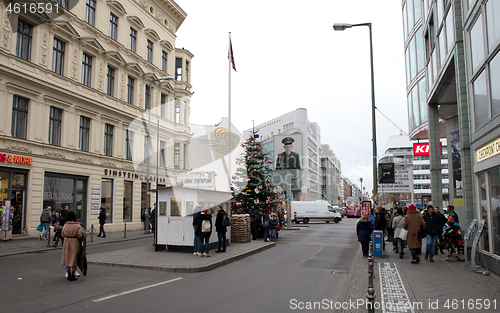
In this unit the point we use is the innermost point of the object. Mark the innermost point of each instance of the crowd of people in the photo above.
(408, 226)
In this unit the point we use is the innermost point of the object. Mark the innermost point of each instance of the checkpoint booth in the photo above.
(176, 204)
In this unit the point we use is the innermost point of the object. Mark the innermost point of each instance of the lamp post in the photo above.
(148, 192)
(361, 189)
(342, 27)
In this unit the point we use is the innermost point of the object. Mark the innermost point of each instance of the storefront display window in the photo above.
(483, 203)
(127, 201)
(107, 198)
(494, 184)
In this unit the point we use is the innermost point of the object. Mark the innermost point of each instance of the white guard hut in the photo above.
(175, 216)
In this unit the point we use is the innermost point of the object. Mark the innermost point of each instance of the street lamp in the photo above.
(342, 27)
(361, 189)
(148, 193)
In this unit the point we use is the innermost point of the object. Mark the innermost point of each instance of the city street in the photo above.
(310, 264)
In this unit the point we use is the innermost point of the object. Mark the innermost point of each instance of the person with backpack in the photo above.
(265, 224)
(221, 223)
(204, 230)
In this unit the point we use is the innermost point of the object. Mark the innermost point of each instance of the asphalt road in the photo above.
(305, 266)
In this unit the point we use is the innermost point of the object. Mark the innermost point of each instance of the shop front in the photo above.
(487, 184)
(13, 190)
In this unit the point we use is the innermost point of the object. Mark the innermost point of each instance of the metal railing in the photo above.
(371, 290)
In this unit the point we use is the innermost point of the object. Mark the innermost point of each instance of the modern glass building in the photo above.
(453, 90)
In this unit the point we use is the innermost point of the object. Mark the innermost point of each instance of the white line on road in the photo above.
(134, 290)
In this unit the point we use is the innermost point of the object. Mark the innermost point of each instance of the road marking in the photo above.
(394, 295)
(138, 289)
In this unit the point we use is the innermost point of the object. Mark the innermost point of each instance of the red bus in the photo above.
(353, 207)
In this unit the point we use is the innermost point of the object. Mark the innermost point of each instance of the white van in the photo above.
(310, 210)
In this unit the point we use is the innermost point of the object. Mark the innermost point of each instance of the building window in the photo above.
(150, 51)
(113, 26)
(146, 154)
(187, 71)
(58, 56)
(480, 101)
(130, 90)
(24, 36)
(163, 101)
(63, 3)
(111, 81)
(86, 69)
(177, 113)
(147, 105)
(164, 56)
(128, 192)
(177, 154)
(90, 12)
(84, 133)
(129, 143)
(107, 198)
(133, 39)
(162, 153)
(55, 126)
(108, 140)
(19, 117)
(178, 69)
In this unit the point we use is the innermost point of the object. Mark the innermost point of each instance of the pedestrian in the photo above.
(102, 221)
(204, 231)
(71, 232)
(388, 225)
(153, 219)
(412, 223)
(265, 224)
(273, 225)
(442, 222)
(432, 231)
(397, 224)
(58, 225)
(379, 222)
(221, 229)
(254, 223)
(196, 218)
(364, 230)
(45, 219)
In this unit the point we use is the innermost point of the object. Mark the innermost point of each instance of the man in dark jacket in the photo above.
(221, 229)
(102, 221)
(196, 219)
(380, 223)
(432, 230)
(442, 221)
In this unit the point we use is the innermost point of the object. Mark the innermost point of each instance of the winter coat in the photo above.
(364, 230)
(379, 221)
(397, 224)
(102, 217)
(412, 222)
(46, 216)
(196, 215)
(388, 220)
(432, 224)
(82, 255)
(442, 220)
(71, 232)
(218, 222)
(265, 217)
(200, 221)
(273, 223)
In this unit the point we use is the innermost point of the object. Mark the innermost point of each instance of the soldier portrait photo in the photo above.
(288, 159)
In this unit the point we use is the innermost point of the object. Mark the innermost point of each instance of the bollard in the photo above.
(371, 290)
(48, 238)
(92, 233)
(125, 230)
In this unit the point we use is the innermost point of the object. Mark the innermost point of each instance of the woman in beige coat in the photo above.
(412, 223)
(71, 232)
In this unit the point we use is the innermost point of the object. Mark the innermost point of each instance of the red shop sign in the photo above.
(423, 148)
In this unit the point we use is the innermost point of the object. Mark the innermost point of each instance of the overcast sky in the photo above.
(288, 56)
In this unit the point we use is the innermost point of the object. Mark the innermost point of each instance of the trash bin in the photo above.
(378, 243)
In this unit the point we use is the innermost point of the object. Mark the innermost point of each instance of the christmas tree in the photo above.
(252, 181)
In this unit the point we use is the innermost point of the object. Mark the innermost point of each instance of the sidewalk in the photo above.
(441, 286)
(19, 245)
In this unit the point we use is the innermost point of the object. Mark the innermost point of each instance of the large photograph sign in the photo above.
(288, 150)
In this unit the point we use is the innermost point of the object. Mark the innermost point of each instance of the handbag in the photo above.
(40, 227)
(403, 234)
(57, 227)
(421, 233)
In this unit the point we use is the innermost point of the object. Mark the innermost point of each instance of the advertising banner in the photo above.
(403, 180)
(288, 150)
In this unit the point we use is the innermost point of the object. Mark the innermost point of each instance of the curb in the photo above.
(198, 269)
(59, 248)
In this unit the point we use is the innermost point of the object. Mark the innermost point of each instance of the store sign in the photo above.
(488, 151)
(9, 158)
(131, 175)
(423, 148)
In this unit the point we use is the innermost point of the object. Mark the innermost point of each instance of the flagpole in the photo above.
(229, 117)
